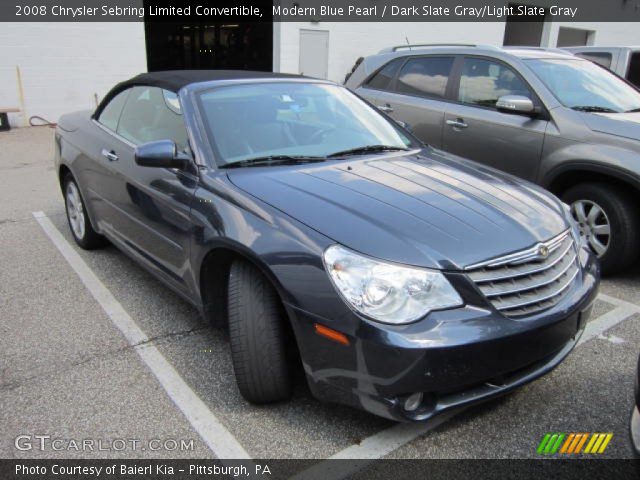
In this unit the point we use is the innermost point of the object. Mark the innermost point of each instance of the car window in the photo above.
(633, 74)
(382, 79)
(111, 113)
(585, 86)
(601, 58)
(482, 82)
(296, 119)
(426, 76)
(151, 114)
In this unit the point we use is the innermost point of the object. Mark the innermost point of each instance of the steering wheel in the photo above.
(317, 135)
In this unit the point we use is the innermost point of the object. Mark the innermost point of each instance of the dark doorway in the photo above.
(208, 45)
(523, 30)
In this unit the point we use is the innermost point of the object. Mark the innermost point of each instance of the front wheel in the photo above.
(257, 334)
(79, 223)
(608, 221)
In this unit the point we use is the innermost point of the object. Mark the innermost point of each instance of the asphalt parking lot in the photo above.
(68, 371)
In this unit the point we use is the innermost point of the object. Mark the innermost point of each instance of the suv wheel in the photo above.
(79, 223)
(608, 219)
(257, 335)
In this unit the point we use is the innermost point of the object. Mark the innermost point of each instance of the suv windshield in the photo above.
(259, 123)
(584, 86)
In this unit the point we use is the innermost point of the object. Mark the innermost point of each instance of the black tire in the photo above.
(89, 239)
(624, 222)
(257, 335)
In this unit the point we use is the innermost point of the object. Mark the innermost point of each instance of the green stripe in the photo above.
(558, 443)
(550, 444)
(543, 443)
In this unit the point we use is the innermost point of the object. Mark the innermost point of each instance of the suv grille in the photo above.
(527, 282)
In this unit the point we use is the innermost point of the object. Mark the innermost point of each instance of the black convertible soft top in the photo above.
(174, 80)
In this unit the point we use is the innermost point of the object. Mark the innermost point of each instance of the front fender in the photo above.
(608, 160)
(288, 252)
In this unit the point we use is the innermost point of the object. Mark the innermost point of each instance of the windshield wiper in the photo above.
(594, 108)
(367, 149)
(274, 160)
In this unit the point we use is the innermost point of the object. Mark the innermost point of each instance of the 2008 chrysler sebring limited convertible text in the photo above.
(405, 281)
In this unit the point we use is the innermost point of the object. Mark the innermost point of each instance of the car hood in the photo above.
(621, 124)
(429, 209)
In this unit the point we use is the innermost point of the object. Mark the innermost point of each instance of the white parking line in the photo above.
(221, 442)
(383, 443)
(371, 448)
(605, 322)
(618, 302)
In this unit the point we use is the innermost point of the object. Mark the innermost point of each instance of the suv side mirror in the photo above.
(516, 104)
(161, 154)
(404, 125)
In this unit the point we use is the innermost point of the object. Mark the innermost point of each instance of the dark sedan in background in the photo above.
(404, 280)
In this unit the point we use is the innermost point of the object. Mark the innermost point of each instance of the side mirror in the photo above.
(160, 154)
(516, 104)
(404, 125)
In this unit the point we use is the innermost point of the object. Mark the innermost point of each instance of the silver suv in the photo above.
(544, 115)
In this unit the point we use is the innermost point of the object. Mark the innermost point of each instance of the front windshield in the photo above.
(292, 119)
(582, 85)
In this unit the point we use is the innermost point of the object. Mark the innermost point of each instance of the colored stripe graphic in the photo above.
(572, 443)
(550, 443)
(579, 446)
(565, 447)
(605, 442)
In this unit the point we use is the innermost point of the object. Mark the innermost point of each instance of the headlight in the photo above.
(387, 292)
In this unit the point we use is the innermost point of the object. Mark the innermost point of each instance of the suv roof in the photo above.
(522, 52)
(371, 63)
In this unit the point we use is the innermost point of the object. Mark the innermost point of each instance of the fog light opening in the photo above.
(413, 401)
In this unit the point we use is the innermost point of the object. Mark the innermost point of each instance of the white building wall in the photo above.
(64, 66)
(348, 41)
(605, 33)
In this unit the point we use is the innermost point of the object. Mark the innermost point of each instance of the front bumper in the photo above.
(455, 358)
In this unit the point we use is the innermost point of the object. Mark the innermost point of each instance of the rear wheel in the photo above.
(608, 220)
(257, 334)
(79, 223)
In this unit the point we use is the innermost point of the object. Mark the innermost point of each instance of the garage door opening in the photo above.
(209, 45)
(523, 30)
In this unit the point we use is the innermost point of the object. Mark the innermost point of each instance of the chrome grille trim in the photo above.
(540, 284)
(529, 269)
(540, 299)
(527, 282)
(523, 255)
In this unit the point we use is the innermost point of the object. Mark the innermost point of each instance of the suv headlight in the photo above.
(388, 292)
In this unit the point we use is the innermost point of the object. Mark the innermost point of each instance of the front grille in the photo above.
(528, 282)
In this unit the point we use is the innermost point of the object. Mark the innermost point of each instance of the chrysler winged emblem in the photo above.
(543, 251)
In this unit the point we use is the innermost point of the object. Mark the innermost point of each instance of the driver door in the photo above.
(152, 205)
(475, 129)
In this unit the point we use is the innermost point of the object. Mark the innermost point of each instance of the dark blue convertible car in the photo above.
(403, 280)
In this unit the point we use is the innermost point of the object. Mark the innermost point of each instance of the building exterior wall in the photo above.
(605, 33)
(65, 66)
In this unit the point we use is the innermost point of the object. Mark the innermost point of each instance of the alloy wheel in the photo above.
(594, 225)
(75, 211)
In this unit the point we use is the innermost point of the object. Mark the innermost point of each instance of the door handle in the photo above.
(109, 155)
(459, 123)
(385, 108)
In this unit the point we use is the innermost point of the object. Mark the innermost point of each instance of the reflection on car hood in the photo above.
(620, 124)
(429, 209)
